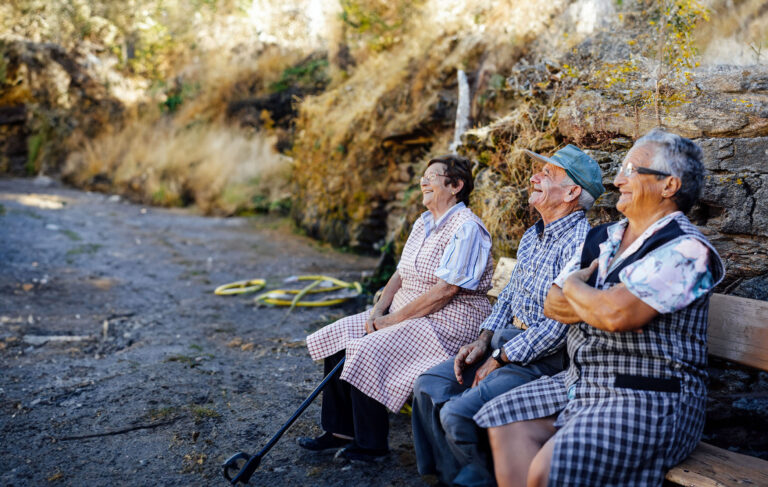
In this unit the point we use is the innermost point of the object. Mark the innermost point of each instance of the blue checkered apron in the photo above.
(631, 405)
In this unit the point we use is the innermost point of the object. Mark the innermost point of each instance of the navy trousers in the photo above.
(446, 439)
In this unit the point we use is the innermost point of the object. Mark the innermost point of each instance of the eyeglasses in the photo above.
(630, 169)
(431, 178)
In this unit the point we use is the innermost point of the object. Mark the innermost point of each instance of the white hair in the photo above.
(681, 158)
(585, 200)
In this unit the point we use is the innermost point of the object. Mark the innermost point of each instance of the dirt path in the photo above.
(166, 380)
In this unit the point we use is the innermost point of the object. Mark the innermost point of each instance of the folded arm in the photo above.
(557, 307)
(615, 309)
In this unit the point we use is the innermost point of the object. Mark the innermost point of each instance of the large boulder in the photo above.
(727, 102)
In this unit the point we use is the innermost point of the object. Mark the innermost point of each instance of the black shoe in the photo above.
(326, 441)
(355, 453)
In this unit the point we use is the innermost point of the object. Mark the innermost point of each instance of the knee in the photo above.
(436, 387)
(452, 422)
(421, 386)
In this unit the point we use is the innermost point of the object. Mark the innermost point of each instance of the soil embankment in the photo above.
(154, 379)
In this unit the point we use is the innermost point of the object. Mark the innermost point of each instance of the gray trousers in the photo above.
(446, 439)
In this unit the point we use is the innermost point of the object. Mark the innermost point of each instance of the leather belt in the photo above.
(519, 323)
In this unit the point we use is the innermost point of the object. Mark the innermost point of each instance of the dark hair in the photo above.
(681, 158)
(457, 168)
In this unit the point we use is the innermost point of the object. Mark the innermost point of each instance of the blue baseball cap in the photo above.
(581, 168)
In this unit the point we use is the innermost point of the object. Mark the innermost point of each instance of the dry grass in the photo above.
(219, 169)
(194, 156)
(338, 150)
(502, 185)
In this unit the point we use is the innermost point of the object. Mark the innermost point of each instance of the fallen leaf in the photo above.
(27, 287)
(235, 342)
(55, 477)
(247, 347)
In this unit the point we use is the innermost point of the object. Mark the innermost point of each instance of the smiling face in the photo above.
(437, 196)
(549, 189)
(639, 193)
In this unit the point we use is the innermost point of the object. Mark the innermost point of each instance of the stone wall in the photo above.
(728, 118)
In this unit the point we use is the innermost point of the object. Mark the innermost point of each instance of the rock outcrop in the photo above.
(46, 97)
(728, 118)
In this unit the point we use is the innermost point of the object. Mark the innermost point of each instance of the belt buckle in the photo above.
(518, 323)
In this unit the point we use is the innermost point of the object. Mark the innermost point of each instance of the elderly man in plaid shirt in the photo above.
(524, 343)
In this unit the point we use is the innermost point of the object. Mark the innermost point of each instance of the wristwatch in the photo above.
(497, 356)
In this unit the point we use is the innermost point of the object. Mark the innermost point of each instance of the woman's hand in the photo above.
(376, 312)
(614, 310)
(583, 275)
(489, 366)
(385, 321)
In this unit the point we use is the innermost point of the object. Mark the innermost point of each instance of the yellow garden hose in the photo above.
(292, 297)
(281, 297)
(240, 287)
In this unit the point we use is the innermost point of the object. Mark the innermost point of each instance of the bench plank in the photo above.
(711, 466)
(501, 275)
(738, 330)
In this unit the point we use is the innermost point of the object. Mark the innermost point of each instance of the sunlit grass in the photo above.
(218, 168)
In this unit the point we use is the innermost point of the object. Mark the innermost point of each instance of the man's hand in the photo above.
(489, 366)
(469, 354)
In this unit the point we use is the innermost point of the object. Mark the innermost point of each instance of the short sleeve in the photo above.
(573, 264)
(465, 257)
(672, 276)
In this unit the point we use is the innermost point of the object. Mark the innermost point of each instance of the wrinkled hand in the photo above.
(468, 355)
(385, 321)
(369, 323)
(583, 274)
(489, 366)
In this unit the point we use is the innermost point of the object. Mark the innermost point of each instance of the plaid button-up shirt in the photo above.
(543, 252)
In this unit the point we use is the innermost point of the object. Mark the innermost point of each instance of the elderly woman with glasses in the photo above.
(631, 404)
(433, 304)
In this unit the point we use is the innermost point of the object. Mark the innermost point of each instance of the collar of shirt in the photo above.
(615, 233)
(558, 227)
(430, 225)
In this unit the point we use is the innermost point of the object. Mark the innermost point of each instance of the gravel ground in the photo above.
(157, 381)
(153, 380)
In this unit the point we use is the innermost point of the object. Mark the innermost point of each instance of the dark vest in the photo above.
(599, 234)
(671, 346)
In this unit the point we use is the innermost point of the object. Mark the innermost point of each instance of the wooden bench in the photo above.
(737, 331)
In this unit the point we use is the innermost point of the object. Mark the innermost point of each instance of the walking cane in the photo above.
(252, 462)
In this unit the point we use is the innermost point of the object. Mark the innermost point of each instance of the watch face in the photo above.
(496, 353)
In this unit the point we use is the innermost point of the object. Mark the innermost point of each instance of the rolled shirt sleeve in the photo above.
(536, 342)
(465, 257)
(672, 276)
(546, 336)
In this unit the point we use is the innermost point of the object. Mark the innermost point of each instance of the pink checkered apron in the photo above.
(385, 364)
